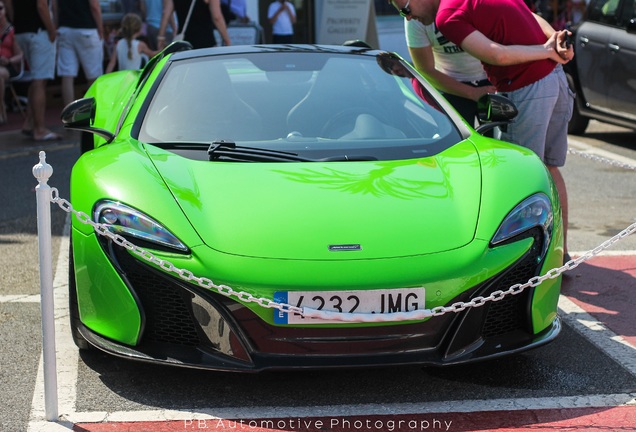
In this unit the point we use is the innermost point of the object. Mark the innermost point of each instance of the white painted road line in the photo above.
(20, 298)
(609, 342)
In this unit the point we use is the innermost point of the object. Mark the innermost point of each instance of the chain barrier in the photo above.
(598, 158)
(243, 296)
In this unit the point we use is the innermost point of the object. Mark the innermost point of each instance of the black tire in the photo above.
(577, 123)
(73, 308)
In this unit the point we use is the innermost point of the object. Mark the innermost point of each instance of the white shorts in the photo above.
(79, 46)
(39, 53)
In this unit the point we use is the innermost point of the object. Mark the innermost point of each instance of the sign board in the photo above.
(343, 20)
(243, 34)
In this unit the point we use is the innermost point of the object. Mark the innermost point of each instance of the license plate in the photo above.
(353, 301)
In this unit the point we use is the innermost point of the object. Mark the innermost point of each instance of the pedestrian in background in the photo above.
(35, 32)
(130, 53)
(576, 11)
(80, 41)
(282, 16)
(206, 16)
(235, 10)
(522, 62)
(459, 76)
(152, 11)
(10, 57)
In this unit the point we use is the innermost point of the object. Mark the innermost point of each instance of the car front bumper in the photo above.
(185, 325)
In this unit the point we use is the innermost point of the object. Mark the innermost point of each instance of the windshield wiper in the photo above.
(228, 150)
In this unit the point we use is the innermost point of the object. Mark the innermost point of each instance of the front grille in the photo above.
(510, 313)
(167, 318)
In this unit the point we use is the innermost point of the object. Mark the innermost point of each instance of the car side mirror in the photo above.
(79, 115)
(494, 110)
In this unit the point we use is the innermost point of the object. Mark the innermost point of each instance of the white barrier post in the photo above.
(42, 172)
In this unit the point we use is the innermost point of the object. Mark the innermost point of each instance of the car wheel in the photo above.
(577, 123)
(79, 340)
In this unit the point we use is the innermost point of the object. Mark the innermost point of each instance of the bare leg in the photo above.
(37, 110)
(68, 91)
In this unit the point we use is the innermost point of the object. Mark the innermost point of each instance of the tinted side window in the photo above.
(629, 12)
(604, 11)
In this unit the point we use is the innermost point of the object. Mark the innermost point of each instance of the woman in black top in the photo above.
(205, 18)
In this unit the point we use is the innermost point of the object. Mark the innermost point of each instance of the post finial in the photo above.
(42, 171)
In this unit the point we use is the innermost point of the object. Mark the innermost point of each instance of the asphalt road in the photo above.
(92, 385)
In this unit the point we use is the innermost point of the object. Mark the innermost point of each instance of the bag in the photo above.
(181, 35)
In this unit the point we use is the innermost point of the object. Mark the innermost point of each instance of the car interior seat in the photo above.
(199, 103)
(339, 89)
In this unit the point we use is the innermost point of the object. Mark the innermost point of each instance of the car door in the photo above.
(621, 87)
(592, 51)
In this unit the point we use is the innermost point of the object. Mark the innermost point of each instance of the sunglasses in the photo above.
(405, 11)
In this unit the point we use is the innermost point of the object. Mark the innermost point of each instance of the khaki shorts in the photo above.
(545, 108)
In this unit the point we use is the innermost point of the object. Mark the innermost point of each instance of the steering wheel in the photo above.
(344, 121)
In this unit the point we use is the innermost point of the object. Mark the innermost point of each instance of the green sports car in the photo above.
(303, 206)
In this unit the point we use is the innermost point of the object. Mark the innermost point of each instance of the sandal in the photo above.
(51, 136)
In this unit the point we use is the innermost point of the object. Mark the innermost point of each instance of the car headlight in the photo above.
(127, 221)
(534, 211)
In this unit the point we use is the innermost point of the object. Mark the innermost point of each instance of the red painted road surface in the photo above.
(591, 420)
(605, 287)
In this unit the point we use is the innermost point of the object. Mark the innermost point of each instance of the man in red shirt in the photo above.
(522, 56)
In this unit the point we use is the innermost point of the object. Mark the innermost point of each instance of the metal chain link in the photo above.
(597, 158)
(243, 296)
(148, 256)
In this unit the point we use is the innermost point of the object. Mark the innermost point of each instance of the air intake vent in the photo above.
(168, 319)
(510, 313)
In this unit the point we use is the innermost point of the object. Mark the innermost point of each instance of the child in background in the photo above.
(129, 52)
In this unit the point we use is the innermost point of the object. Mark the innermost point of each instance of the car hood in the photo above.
(331, 210)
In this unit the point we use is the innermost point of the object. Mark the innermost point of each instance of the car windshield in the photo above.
(318, 105)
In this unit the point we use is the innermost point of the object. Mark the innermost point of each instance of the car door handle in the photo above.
(614, 47)
(584, 40)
